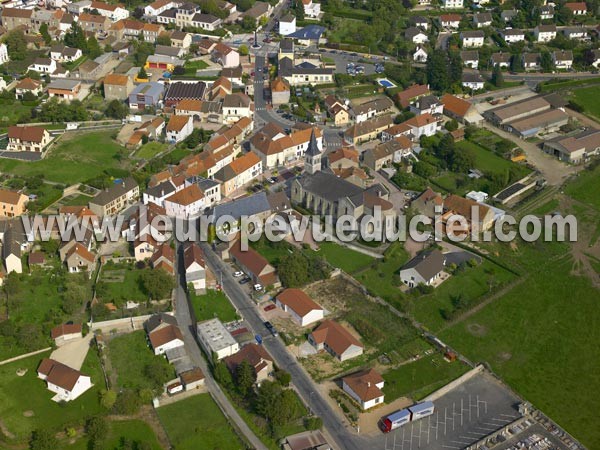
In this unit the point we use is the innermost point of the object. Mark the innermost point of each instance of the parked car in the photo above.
(269, 326)
(238, 274)
(273, 180)
(258, 287)
(244, 280)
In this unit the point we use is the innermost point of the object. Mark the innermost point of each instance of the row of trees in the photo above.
(76, 38)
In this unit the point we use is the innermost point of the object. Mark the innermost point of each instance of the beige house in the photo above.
(367, 130)
(117, 86)
(114, 199)
(79, 259)
(335, 339)
(239, 172)
(387, 153)
(256, 356)
(27, 139)
(12, 204)
(16, 17)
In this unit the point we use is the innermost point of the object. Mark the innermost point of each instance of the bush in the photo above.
(313, 423)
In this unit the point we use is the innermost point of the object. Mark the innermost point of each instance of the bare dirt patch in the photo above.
(477, 330)
(28, 413)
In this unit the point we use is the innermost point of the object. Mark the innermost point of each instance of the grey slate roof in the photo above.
(245, 206)
(157, 319)
(427, 264)
(329, 186)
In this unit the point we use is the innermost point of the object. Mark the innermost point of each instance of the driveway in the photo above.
(73, 354)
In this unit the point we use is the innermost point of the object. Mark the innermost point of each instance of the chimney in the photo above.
(368, 384)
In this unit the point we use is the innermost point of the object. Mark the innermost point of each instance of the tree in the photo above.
(45, 34)
(73, 296)
(284, 378)
(194, 48)
(463, 160)
(248, 24)
(451, 125)
(497, 76)
(97, 430)
(437, 70)
(243, 50)
(75, 37)
(128, 403)
(108, 397)
(222, 375)
(16, 45)
(43, 440)
(157, 283)
(142, 75)
(157, 372)
(245, 376)
(564, 15)
(293, 270)
(299, 10)
(516, 63)
(116, 109)
(546, 62)
(163, 39)
(455, 68)
(93, 49)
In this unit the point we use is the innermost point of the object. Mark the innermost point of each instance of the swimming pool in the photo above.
(386, 83)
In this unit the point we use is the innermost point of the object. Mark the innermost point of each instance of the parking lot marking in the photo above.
(501, 420)
(453, 414)
(461, 443)
(509, 415)
(486, 429)
(450, 446)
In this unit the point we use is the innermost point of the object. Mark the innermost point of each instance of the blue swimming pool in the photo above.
(386, 83)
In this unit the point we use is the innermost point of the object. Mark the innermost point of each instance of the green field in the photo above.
(381, 278)
(213, 304)
(197, 423)
(120, 283)
(345, 258)
(586, 188)
(29, 394)
(588, 98)
(78, 200)
(76, 158)
(150, 150)
(130, 355)
(485, 160)
(420, 378)
(118, 431)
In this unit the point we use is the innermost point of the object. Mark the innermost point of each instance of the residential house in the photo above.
(595, 57)
(531, 61)
(28, 85)
(254, 265)
(113, 199)
(159, 6)
(27, 139)
(13, 18)
(479, 217)
(304, 74)
(225, 56)
(255, 355)
(67, 383)
(236, 106)
(234, 75)
(452, 4)
(195, 266)
(410, 94)
(415, 35)
(179, 128)
(114, 12)
(239, 173)
(301, 307)
(420, 22)
(425, 268)
(577, 8)
(192, 379)
(180, 39)
(384, 154)
(117, 86)
(12, 203)
(562, 59)
(206, 22)
(473, 81)
(367, 130)
(146, 95)
(500, 59)
(450, 21)
(311, 9)
(164, 258)
(365, 387)
(275, 147)
(151, 31)
(420, 54)
(62, 53)
(337, 340)
(428, 104)
(171, 52)
(460, 110)
(12, 250)
(94, 23)
(216, 340)
(472, 39)
(280, 92)
(342, 158)
(80, 259)
(370, 109)
(186, 203)
(544, 33)
(546, 12)
(43, 65)
(165, 337)
(508, 15)
(66, 90)
(65, 333)
(88, 70)
(481, 20)
(512, 35)
(579, 33)
(423, 125)
(429, 203)
(287, 25)
(470, 58)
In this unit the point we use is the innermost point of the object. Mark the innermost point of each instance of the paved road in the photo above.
(342, 436)
(187, 326)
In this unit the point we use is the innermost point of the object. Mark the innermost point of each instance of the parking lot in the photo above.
(463, 416)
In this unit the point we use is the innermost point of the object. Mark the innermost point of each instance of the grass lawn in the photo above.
(29, 393)
(588, 98)
(112, 289)
(150, 150)
(346, 259)
(197, 423)
(541, 338)
(78, 200)
(129, 355)
(13, 111)
(191, 67)
(470, 285)
(485, 160)
(420, 378)
(381, 278)
(586, 187)
(133, 430)
(76, 158)
(213, 304)
(272, 253)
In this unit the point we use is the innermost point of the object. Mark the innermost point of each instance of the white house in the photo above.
(62, 53)
(481, 20)
(470, 58)
(563, 59)
(114, 12)
(546, 12)
(301, 307)
(420, 55)
(512, 35)
(452, 4)
(159, 6)
(65, 333)
(165, 337)
(43, 65)
(578, 33)
(215, 339)
(424, 268)
(365, 387)
(287, 25)
(195, 271)
(422, 125)
(65, 382)
(179, 128)
(473, 81)
(415, 35)
(335, 339)
(236, 106)
(185, 203)
(311, 9)
(450, 20)
(472, 39)
(4, 58)
(595, 58)
(544, 33)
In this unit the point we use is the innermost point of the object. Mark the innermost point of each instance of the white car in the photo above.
(258, 287)
(238, 274)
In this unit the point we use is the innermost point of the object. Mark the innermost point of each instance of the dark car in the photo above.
(269, 326)
(244, 280)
